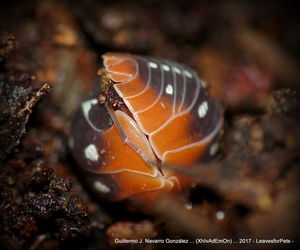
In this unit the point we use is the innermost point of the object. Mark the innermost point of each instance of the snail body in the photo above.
(151, 113)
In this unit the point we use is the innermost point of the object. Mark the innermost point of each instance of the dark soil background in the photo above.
(247, 52)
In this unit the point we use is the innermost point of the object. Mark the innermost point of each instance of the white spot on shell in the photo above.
(203, 108)
(91, 153)
(100, 187)
(188, 74)
(152, 65)
(87, 105)
(169, 89)
(177, 70)
(214, 149)
(165, 67)
(220, 215)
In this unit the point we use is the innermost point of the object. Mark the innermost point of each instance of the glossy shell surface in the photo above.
(171, 120)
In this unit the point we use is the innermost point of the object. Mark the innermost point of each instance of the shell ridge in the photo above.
(159, 95)
(137, 73)
(198, 143)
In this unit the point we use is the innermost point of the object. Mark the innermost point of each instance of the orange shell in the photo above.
(172, 120)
